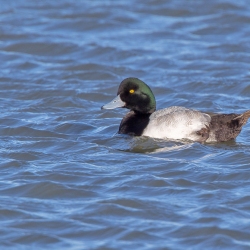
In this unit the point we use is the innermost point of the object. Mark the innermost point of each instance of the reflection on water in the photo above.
(68, 180)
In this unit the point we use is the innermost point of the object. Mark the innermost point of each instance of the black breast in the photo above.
(134, 123)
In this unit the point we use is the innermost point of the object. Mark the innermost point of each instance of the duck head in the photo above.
(135, 95)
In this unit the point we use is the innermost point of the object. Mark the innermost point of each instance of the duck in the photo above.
(175, 122)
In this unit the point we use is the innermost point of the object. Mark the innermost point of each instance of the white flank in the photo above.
(176, 123)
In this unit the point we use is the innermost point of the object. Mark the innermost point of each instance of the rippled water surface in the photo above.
(68, 181)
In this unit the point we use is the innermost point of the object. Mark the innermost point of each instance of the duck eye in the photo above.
(131, 91)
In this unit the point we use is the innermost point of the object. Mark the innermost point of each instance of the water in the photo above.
(68, 181)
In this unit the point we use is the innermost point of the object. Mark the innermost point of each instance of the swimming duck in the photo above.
(174, 122)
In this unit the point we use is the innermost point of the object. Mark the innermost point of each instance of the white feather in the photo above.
(176, 123)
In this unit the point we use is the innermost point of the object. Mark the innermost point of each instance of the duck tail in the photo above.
(243, 118)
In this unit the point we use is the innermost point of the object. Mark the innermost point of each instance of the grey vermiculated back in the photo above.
(181, 113)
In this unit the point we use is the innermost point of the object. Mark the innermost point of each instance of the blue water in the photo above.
(68, 180)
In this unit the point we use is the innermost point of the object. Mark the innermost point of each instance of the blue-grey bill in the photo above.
(115, 103)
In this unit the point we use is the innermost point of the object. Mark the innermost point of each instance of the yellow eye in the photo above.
(131, 91)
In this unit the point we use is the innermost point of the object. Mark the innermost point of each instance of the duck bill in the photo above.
(115, 103)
